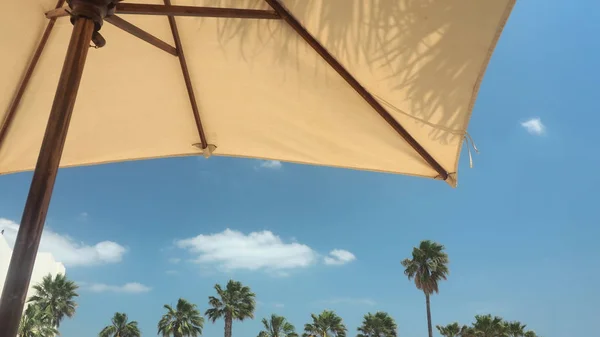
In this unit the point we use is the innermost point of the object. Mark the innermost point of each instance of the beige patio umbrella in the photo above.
(381, 85)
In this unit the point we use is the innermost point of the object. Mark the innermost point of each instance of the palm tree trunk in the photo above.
(228, 323)
(428, 315)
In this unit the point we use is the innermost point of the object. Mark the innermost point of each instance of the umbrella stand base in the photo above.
(32, 223)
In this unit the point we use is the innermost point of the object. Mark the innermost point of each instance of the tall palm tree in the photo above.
(428, 266)
(488, 326)
(277, 326)
(183, 321)
(450, 330)
(515, 329)
(35, 323)
(327, 324)
(56, 297)
(379, 325)
(530, 334)
(120, 327)
(235, 302)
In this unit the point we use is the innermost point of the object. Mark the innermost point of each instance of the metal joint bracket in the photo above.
(95, 10)
(207, 151)
(450, 180)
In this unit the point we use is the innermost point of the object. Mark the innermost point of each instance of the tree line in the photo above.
(486, 326)
(54, 299)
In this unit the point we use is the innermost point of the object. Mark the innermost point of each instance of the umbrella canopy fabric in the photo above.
(262, 90)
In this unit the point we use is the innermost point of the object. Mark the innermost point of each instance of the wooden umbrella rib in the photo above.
(14, 104)
(143, 35)
(339, 68)
(187, 79)
(215, 12)
(194, 11)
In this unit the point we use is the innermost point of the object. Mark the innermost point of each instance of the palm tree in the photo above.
(183, 321)
(235, 302)
(428, 266)
(488, 326)
(379, 325)
(450, 330)
(515, 329)
(55, 297)
(325, 325)
(35, 323)
(530, 334)
(277, 326)
(120, 327)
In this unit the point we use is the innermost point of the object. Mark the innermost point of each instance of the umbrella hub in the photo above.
(95, 10)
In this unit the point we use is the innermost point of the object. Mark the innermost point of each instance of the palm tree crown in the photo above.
(55, 297)
(428, 266)
(325, 325)
(488, 326)
(467, 331)
(515, 329)
(277, 326)
(120, 327)
(235, 302)
(450, 330)
(379, 325)
(183, 321)
(35, 323)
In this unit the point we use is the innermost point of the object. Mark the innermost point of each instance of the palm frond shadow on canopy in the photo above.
(403, 44)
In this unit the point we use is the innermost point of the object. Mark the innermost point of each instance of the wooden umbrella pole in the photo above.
(32, 223)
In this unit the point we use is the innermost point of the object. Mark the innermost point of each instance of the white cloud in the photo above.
(174, 260)
(68, 251)
(348, 301)
(234, 250)
(534, 126)
(130, 288)
(339, 257)
(171, 272)
(83, 216)
(271, 164)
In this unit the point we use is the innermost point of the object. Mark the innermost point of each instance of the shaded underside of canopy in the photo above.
(262, 91)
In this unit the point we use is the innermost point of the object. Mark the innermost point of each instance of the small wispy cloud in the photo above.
(339, 257)
(271, 164)
(278, 305)
(83, 216)
(130, 288)
(348, 301)
(174, 260)
(534, 126)
(171, 272)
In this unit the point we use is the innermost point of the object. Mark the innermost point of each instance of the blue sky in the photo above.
(521, 230)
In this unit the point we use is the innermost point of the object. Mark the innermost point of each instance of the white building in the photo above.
(44, 264)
